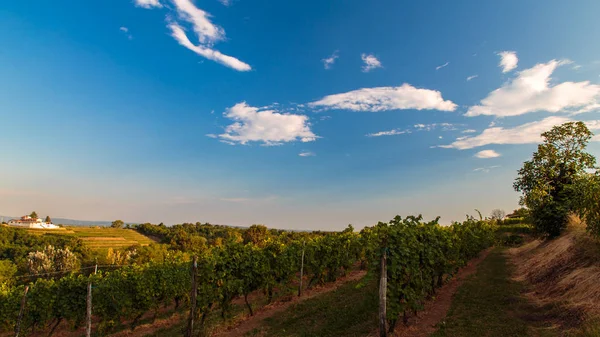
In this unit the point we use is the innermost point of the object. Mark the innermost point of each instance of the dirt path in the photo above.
(249, 323)
(424, 324)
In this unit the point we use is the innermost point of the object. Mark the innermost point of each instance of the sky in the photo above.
(293, 114)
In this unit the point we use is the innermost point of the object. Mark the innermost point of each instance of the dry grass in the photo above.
(565, 270)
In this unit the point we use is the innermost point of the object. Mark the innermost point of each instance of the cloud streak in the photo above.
(442, 66)
(472, 77)
(531, 91)
(386, 98)
(528, 133)
(179, 34)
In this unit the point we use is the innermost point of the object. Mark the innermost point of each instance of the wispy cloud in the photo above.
(528, 133)
(530, 91)
(485, 169)
(442, 66)
(472, 77)
(269, 127)
(434, 126)
(125, 31)
(487, 154)
(226, 3)
(147, 3)
(329, 61)
(508, 60)
(386, 98)
(393, 132)
(415, 128)
(469, 131)
(306, 154)
(207, 33)
(229, 61)
(371, 62)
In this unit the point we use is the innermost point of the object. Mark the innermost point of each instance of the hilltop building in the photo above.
(29, 222)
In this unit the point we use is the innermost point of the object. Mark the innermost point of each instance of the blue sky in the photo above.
(295, 114)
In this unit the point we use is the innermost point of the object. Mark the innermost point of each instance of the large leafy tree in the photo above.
(117, 224)
(33, 215)
(548, 180)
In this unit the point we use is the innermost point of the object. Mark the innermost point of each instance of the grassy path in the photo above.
(489, 304)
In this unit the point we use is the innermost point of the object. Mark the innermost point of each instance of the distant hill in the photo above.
(68, 222)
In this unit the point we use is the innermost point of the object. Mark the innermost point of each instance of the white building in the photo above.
(29, 222)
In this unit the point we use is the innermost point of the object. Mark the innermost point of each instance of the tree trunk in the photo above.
(248, 304)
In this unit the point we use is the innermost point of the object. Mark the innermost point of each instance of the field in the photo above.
(100, 238)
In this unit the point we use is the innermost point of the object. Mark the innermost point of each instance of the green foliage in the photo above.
(588, 201)
(256, 234)
(17, 243)
(52, 260)
(420, 254)
(33, 215)
(547, 181)
(117, 224)
(48, 220)
(7, 270)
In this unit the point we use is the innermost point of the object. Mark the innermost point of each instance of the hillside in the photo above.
(68, 222)
(100, 237)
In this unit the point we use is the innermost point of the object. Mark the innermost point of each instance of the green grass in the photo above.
(346, 311)
(489, 304)
(100, 238)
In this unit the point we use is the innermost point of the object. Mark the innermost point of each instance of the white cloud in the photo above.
(487, 154)
(270, 127)
(433, 126)
(226, 3)
(508, 60)
(469, 131)
(472, 77)
(125, 31)
(386, 98)
(528, 133)
(530, 91)
(442, 66)
(229, 61)
(147, 3)
(206, 31)
(371, 62)
(306, 154)
(417, 128)
(393, 132)
(328, 62)
(485, 169)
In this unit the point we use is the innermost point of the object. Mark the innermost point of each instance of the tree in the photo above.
(547, 181)
(497, 214)
(33, 215)
(117, 224)
(48, 220)
(257, 234)
(52, 259)
(7, 270)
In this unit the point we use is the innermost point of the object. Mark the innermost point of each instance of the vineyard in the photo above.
(99, 238)
(417, 257)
